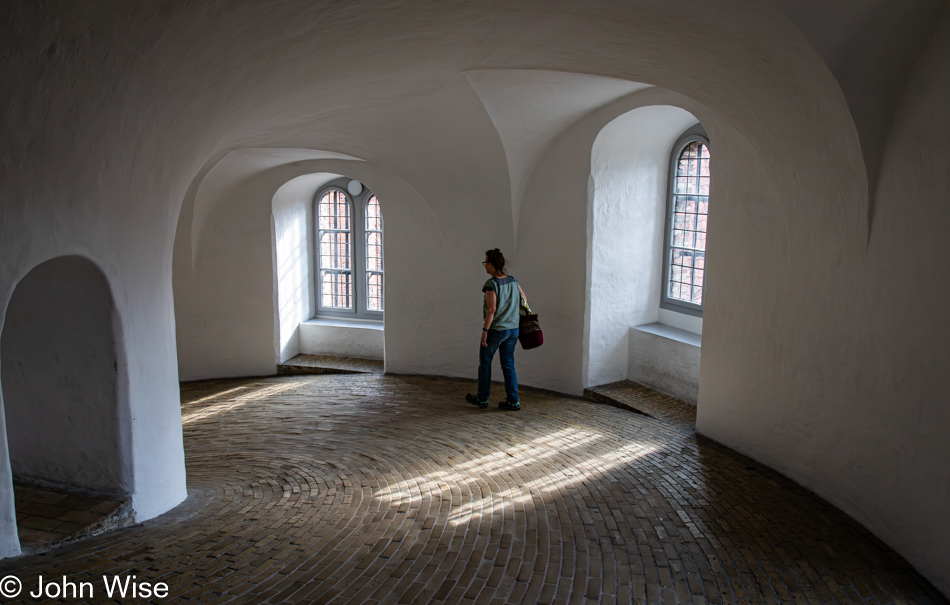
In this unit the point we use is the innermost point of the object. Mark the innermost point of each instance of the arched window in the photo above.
(349, 251)
(684, 265)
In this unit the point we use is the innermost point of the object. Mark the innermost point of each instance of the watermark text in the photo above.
(113, 587)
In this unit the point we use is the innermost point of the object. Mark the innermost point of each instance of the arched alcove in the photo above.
(630, 164)
(66, 418)
(243, 274)
(304, 327)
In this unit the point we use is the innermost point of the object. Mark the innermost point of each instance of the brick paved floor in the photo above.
(46, 516)
(644, 400)
(329, 364)
(382, 489)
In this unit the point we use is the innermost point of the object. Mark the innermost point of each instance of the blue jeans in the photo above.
(503, 341)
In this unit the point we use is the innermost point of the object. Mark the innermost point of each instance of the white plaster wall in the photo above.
(60, 380)
(227, 284)
(71, 187)
(850, 400)
(629, 168)
(681, 321)
(529, 108)
(323, 338)
(10, 542)
(669, 365)
(293, 239)
(833, 372)
(872, 76)
(904, 357)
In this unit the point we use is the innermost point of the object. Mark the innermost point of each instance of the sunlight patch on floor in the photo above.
(233, 403)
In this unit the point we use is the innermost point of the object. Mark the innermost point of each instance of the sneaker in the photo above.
(474, 400)
(507, 405)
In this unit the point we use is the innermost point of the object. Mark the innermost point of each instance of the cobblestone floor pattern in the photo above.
(382, 489)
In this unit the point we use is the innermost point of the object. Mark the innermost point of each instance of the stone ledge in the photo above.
(671, 333)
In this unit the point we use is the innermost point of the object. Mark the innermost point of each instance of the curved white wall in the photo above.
(108, 134)
(293, 241)
(830, 369)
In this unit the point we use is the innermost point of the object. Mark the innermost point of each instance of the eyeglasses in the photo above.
(484, 262)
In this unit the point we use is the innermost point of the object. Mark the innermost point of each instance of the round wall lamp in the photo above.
(354, 187)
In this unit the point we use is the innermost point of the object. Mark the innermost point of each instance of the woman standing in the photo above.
(500, 332)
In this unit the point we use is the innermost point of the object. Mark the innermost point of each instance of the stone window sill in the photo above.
(676, 334)
(340, 322)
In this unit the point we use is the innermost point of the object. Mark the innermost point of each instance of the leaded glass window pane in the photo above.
(688, 236)
(374, 255)
(334, 221)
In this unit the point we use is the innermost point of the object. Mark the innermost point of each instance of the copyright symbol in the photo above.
(10, 587)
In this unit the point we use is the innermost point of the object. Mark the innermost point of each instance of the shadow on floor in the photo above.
(47, 517)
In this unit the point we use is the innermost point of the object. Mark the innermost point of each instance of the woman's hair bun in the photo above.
(496, 258)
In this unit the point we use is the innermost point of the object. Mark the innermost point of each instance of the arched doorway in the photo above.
(63, 397)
